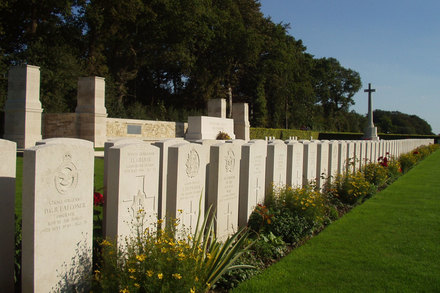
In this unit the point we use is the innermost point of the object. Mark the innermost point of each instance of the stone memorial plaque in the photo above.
(133, 188)
(186, 184)
(252, 178)
(134, 129)
(57, 210)
(295, 160)
(276, 164)
(223, 187)
(8, 154)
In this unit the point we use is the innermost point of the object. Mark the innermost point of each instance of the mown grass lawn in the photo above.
(391, 243)
(98, 181)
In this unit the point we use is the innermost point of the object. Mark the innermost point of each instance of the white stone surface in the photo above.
(240, 114)
(91, 111)
(204, 127)
(309, 164)
(217, 108)
(223, 188)
(333, 149)
(163, 145)
(276, 164)
(342, 157)
(133, 189)
(350, 161)
(186, 184)
(8, 156)
(57, 208)
(295, 159)
(322, 171)
(252, 178)
(23, 107)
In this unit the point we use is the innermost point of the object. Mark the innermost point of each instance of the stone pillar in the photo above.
(240, 114)
(217, 108)
(91, 111)
(23, 106)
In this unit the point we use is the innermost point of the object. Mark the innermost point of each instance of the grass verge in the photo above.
(390, 243)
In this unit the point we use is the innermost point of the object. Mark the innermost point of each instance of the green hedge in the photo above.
(261, 133)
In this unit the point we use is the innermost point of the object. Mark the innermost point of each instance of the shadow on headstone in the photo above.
(78, 278)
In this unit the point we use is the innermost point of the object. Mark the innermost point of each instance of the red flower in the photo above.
(415, 153)
(98, 199)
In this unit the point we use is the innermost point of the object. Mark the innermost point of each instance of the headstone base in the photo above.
(370, 133)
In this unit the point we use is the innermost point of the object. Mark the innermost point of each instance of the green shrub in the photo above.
(167, 260)
(375, 174)
(351, 188)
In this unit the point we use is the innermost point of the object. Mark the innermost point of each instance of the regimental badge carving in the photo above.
(230, 161)
(66, 176)
(192, 163)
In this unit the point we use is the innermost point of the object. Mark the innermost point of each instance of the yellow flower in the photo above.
(137, 285)
(140, 257)
(177, 276)
(181, 255)
(208, 255)
(105, 242)
(130, 270)
(149, 273)
(180, 210)
(160, 276)
(133, 277)
(160, 221)
(192, 290)
(163, 250)
(124, 291)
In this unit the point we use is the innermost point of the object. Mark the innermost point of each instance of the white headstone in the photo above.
(163, 145)
(333, 149)
(342, 157)
(186, 184)
(8, 154)
(57, 217)
(223, 188)
(133, 189)
(309, 165)
(322, 171)
(276, 164)
(350, 156)
(252, 178)
(295, 160)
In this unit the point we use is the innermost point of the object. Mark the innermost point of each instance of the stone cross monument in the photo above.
(370, 131)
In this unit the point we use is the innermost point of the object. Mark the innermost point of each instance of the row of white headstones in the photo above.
(145, 182)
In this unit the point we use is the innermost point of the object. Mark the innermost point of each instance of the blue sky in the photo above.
(394, 45)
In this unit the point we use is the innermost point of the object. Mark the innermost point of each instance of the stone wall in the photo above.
(118, 127)
(59, 125)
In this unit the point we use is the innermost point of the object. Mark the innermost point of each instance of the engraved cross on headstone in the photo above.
(190, 214)
(257, 189)
(228, 215)
(140, 199)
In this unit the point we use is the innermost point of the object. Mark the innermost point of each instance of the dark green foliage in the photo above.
(165, 59)
(400, 123)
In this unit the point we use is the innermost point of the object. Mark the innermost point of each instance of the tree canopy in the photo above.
(165, 59)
